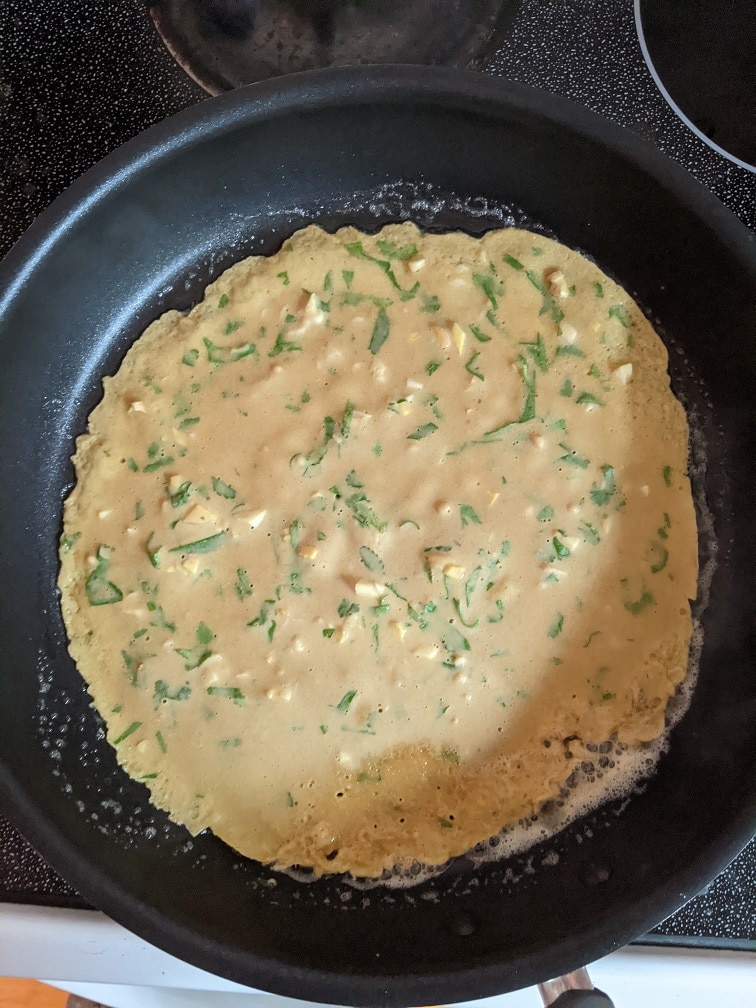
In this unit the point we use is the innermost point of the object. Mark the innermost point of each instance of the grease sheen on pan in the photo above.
(360, 541)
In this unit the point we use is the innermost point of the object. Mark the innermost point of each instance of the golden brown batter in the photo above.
(361, 539)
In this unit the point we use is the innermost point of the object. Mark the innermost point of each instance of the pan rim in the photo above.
(350, 85)
(213, 117)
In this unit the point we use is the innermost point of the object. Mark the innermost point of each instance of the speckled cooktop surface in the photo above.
(78, 78)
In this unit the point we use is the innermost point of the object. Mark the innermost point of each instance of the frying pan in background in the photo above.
(145, 231)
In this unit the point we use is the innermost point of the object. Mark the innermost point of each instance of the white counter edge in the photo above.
(80, 950)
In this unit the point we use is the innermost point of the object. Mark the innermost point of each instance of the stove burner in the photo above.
(224, 44)
(702, 55)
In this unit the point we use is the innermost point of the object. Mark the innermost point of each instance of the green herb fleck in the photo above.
(262, 617)
(99, 590)
(470, 585)
(468, 515)
(131, 667)
(344, 704)
(194, 657)
(206, 545)
(392, 251)
(560, 549)
(159, 620)
(514, 263)
(180, 495)
(619, 312)
(636, 608)
(129, 731)
(380, 331)
(529, 381)
(556, 626)
(537, 350)
(346, 421)
(346, 608)
(361, 508)
(572, 458)
(601, 495)
(226, 355)
(430, 303)
(490, 285)
(659, 557)
(458, 608)
(663, 530)
(479, 335)
(295, 533)
(569, 350)
(472, 369)
(228, 693)
(164, 460)
(548, 303)
(588, 399)
(371, 560)
(590, 534)
(356, 249)
(153, 554)
(163, 692)
(423, 431)
(223, 489)
(282, 345)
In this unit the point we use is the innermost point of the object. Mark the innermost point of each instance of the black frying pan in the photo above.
(145, 231)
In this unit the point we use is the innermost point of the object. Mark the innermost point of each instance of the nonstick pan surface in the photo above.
(145, 231)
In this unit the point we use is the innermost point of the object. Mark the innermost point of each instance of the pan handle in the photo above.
(582, 999)
(573, 990)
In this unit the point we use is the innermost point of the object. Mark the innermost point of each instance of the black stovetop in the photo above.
(78, 78)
